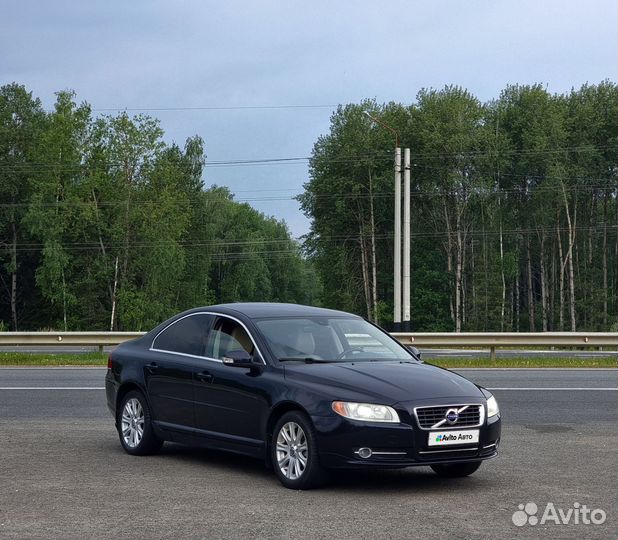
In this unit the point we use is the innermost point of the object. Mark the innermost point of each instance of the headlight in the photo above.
(366, 412)
(492, 407)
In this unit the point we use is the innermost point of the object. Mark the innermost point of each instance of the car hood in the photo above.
(391, 382)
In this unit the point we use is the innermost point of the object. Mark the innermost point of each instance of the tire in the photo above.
(294, 438)
(456, 470)
(138, 438)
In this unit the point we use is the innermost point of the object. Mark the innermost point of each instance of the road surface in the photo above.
(64, 474)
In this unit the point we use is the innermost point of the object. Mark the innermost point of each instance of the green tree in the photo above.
(54, 216)
(22, 121)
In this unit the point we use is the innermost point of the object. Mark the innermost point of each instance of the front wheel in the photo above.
(294, 452)
(456, 470)
(134, 426)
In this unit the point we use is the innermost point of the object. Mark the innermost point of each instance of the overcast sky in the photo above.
(204, 53)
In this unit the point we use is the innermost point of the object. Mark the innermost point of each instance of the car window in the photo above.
(326, 338)
(357, 336)
(228, 335)
(301, 337)
(187, 335)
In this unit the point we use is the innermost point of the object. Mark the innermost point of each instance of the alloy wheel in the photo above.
(292, 451)
(132, 423)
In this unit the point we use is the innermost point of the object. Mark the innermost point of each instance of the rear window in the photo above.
(186, 336)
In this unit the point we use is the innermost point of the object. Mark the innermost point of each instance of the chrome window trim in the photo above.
(454, 426)
(187, 355)
(152, 347)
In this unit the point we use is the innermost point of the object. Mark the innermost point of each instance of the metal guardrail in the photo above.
(71, 339)
(490, 340)
(494, 340)
(510, 339)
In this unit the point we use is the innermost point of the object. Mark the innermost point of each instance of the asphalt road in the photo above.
(64, 475)
(427, 353)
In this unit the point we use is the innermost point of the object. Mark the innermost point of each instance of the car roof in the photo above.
(256, 310)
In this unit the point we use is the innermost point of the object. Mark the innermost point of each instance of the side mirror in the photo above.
(238, 358)
(417, 354)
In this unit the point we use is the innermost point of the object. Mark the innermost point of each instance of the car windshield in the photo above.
(329, 339)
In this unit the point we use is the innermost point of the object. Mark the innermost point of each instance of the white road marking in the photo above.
(514, 388)
(57, 367)
(481, 369)
(52, 387)
(591, 389)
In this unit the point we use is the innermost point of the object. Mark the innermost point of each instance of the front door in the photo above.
(232, 405)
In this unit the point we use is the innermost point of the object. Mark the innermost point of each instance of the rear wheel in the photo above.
(456, 470)
(295, 454)
(134, 426)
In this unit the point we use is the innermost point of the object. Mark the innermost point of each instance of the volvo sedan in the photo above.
(302, 388)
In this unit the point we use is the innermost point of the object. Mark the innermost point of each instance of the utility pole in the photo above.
(397, 227)
(406, 240)
(397, 244)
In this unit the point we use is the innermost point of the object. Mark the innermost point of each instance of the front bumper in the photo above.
(396, 445)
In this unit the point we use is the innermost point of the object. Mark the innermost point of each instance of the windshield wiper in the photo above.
(305, 359)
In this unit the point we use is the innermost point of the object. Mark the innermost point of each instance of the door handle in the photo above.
(152, 367)
(204, 376)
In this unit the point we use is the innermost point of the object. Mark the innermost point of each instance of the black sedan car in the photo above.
(303, 388)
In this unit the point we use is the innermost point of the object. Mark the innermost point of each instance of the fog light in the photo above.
(365, 453)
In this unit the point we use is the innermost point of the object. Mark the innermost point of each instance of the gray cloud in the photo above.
(199, 53)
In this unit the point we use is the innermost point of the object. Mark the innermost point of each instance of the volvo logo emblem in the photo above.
(451, 416)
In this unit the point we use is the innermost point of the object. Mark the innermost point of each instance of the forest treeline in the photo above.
(105, 226)
(514, 209)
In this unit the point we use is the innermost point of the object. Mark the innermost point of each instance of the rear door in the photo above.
(174, 354)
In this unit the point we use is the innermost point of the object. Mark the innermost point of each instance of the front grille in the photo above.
(428, 417)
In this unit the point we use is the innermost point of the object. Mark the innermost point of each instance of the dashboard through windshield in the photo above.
(332, 339)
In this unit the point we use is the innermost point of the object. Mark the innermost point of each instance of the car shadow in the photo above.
(216, 459)
(415, 479)
(382, 481)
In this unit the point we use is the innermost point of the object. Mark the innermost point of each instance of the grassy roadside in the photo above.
(100, 359)
(526, 362)
(51, 359)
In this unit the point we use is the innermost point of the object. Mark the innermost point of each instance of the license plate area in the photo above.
(453, 438)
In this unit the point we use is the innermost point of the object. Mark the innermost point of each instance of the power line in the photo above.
(38, 166)
(380, 156)
(213, 108)
(94, 245)
(326, 196)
